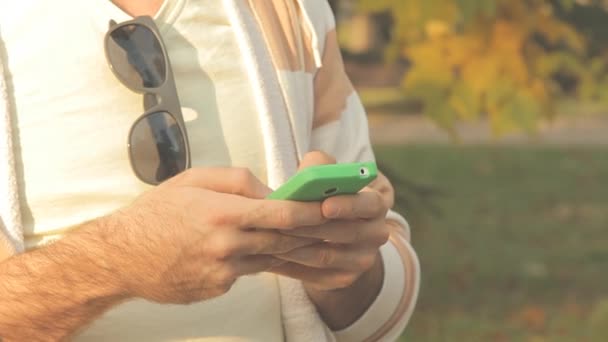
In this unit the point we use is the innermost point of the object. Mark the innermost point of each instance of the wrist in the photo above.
(342, 307)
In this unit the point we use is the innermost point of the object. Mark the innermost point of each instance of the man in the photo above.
(106, 257)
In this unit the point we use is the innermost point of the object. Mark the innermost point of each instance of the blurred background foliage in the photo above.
(504, 60)
(511, 223)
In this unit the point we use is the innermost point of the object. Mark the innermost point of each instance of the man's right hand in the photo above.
(184, 241)
(190, 238)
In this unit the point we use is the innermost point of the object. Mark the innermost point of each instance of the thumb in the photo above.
(316, 158)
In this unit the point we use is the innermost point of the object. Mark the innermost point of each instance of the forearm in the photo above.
(50, 293)
(340, 308)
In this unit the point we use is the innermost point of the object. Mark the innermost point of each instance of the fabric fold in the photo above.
(301, 322)
(10, 213)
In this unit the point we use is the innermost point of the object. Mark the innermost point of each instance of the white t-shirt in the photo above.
(73, 118)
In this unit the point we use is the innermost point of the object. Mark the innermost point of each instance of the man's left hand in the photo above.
(349, 241)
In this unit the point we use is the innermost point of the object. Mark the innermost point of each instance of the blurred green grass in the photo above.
(519, 248)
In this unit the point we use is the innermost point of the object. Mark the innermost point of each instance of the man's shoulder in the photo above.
(320, 17)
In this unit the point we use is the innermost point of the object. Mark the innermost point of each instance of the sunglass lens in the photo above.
(157, 148)
(136, 56)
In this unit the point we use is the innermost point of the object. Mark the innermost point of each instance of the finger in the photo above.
(320, 279)
(316, 158)
(271, 242)
(273, 214)
(340, 231)
(255, 264)
(331, 256)
(236, 243)
(237, 181)
(364, 205)
(385, 188)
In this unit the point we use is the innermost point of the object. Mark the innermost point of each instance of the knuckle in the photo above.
(221, 219)
(385, 235)
(174, 181)
(312, 214)
(326, 257)
(189, 173)
(286, 218)
(315, 217)
(352, 207)
(346, 280)
(248, 218)
(383, 185)
(377, 204)
(223, 247)
(389, 199)
(366, 262)
(187, 176)
(227, 286)
(227, 276)
(356, 237)
(220, 289)
(243, 179)
(284, 244)
(382, 235)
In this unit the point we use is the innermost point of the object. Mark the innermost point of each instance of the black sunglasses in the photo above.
(158, 142)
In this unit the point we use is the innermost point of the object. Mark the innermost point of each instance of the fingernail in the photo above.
(333, 212)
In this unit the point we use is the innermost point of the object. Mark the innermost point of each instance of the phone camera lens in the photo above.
(363, 171)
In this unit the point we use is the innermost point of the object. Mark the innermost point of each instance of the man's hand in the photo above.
(348, 258)
(190, 238)
(184, 241)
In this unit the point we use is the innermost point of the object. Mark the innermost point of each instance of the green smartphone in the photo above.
(317, 183)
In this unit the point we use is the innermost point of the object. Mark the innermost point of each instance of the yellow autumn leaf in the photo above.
(464, 102)
(436, 29)
(498, 58)
(481, 73)
(507, 37)
(459, 50)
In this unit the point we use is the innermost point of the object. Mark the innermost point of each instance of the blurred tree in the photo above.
(498, 58)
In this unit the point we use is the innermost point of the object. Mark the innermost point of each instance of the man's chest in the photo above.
(73, 116)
